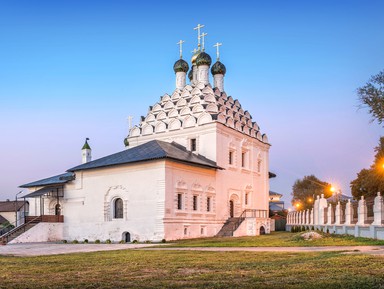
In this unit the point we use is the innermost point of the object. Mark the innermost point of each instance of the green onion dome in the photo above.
(190, 75)
(218, 68)
(126, 142)
(181, 66)
(194, 56)
(203, 59)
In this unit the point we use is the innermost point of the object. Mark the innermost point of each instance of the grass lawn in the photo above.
(278, 239)
(193, 269)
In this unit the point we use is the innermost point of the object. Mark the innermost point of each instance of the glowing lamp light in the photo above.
(332, 189)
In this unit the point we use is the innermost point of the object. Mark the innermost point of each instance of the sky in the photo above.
(76, 69)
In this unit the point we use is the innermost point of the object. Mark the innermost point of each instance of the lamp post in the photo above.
(16, 207)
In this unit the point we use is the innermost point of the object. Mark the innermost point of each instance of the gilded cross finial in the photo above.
(198, 27)
(203, 37)
(217, 45)
(194, 51)
(180, 43)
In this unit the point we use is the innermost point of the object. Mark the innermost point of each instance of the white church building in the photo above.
(196, 165)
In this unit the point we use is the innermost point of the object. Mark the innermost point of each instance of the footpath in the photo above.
(42, 249)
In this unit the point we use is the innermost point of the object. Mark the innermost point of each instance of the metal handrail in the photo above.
(250, 213)
(22, 226)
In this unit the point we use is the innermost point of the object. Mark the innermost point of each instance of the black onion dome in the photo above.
(218, 68)
(203, 59)
(181, 66)
(190, 74)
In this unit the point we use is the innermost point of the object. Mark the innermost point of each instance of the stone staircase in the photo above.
(230, 226)
(9, 236)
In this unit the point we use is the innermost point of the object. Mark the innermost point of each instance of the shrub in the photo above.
(108, 241)
(97, 241)
(147, 242)
(122, 242)
(75, 242)
(163, 241)
(65, 241)
(135, 241)
(85, 241)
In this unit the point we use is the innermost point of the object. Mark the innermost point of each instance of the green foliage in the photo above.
(371, 95)
(64, 241)
(122, 242)
(108, 241)
(304, 191)
(85, 241)
(75, 242)
(370, 181)
(135, 241)
(163, 241)
(97, 241)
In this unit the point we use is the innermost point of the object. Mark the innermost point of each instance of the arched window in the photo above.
(118, 209)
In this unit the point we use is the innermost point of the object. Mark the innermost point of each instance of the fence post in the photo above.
(312, 221)
(330, 215)
(338, 214)
(378, 209)
(348, 213)
(322, 210)
(316, 211)
(307, 215)
(362, 212)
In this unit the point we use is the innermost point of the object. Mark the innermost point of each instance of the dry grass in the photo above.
(193, 269)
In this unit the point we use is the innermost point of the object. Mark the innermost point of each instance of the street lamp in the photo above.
(16, 207)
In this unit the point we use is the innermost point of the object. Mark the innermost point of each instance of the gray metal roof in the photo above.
(151, 150)
(10, 206)
(55, 180)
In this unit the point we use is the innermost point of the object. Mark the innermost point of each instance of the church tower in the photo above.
(181, 68)
(86, 152)
(218, 70)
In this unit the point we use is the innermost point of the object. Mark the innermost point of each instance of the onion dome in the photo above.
(218, 68)
(203, 59)
(190, 75)
(194, 56)
(181, 66)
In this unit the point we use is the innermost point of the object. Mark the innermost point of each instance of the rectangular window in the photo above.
(230, 157)
(195, 203)
(193, 144)
(179, 201)
(208, 204)
(246, 198)
(243, 159)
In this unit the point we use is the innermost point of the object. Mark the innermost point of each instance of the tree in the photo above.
(370, 181)
(372, 95)
(305, 191)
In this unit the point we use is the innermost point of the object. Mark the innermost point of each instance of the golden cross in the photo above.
(180, 43)
(202, 36)
(199, 26)
(217, 50)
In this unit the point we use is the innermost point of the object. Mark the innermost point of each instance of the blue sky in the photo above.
(76, 69)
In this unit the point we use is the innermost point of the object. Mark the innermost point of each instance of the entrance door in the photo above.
(57, 210)
(262, 230)
(231, 209)
(127, 237)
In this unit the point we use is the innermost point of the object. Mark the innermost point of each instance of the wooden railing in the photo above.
(46, 218)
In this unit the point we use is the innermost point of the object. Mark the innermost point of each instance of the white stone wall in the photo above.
(42, 232)
(343, 222)
(89, 207)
